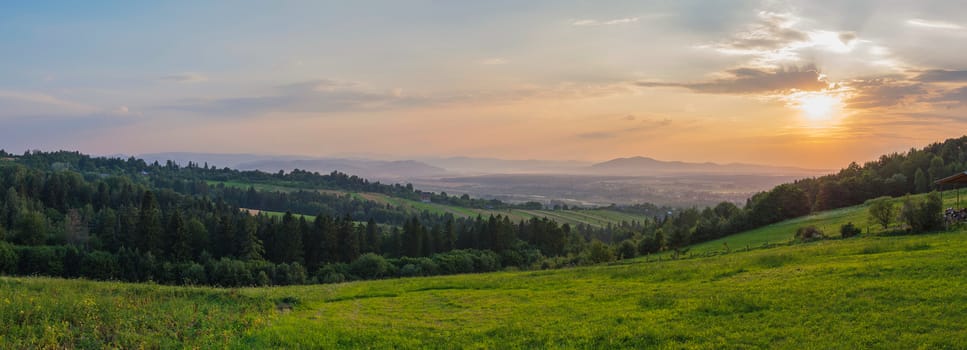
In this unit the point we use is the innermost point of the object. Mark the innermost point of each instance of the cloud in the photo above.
(773, 31)
(923, 23)
(20, 103)
(847, 37)
(331, 96)
(185, 78)
(494, 61)
(883, 92)
(645, 125)
(942, 76)
(957, 96)
(753, 80)
(311, 96)
(592, 22)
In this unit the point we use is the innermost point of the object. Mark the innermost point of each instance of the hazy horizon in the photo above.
(814, 84)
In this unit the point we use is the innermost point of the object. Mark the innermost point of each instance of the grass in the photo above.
(55, 313)
(827, 221)
(897, 292)
(595, 217)
(908, 293)
(872, 292)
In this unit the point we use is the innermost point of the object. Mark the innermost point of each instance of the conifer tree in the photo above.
(149, 231)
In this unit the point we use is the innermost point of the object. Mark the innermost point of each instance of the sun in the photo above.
(818, 106)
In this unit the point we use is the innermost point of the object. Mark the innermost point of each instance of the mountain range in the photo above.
(470, 166)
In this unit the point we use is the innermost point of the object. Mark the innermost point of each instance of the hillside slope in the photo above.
(871, 292)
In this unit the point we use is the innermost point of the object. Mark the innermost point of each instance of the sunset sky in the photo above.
(812, 83)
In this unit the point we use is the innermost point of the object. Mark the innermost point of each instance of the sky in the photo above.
(811, 83)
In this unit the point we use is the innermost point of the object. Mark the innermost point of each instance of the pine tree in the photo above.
(348, 239)
(197, 237)
(149, 231)
(249, 245)
(179, 248)
(429, 240)
(223, 244)
(288, 240)
(313, 240)
(450, 236)
(372, 237)
(412, 238)
(396, 243)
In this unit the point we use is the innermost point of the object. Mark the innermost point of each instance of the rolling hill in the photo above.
(641, 166)
(868, 292)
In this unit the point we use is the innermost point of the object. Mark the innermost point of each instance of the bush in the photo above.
(485, 260)
(649, 245)
(229, 273)
(99, 265)
(923, 215)
(598, 252)
(849, 230)
(369, 266)
(809, 233)
(8, 258)
(454, 262)
(410, 270)
(40, 260)
(882, 211)
(420, 266)
(193, 273)
(286, 274)
(627, 249)
(333, 273)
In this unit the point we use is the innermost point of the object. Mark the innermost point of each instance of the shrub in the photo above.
(99, 265)
(849, 230)
(410, 270)
(8, 258)
(627, 249)
(421, 267)
(882, 211)
(485, 260)
(369, 266)
(809, 233)
(193, 274)
(599, 252)
(649, 245)
(333, 273)
(40, 260)
(923, 215)
(229, 273)
(454, 262)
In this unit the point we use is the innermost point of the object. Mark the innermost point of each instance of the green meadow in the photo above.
(593, 217)
(874, 291)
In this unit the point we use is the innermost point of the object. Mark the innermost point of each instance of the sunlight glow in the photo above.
(817, 106)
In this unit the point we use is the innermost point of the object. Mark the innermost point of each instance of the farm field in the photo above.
(868, 292)
(592, 217)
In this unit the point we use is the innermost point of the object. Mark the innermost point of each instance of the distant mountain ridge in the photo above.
(465, 166)
(366, 168)
(376, 169)
(645, 166)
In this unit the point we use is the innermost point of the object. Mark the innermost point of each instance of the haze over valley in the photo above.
(620, 181)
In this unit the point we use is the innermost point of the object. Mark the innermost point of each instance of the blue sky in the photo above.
(752, 81)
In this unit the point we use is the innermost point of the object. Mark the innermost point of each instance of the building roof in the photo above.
(958, 178)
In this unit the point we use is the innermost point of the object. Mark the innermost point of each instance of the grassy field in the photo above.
(45, 313)
(595, 217)
(871, 292)
(899, 292)
(827, 221)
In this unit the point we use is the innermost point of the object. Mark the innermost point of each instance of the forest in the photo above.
(72, 215)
